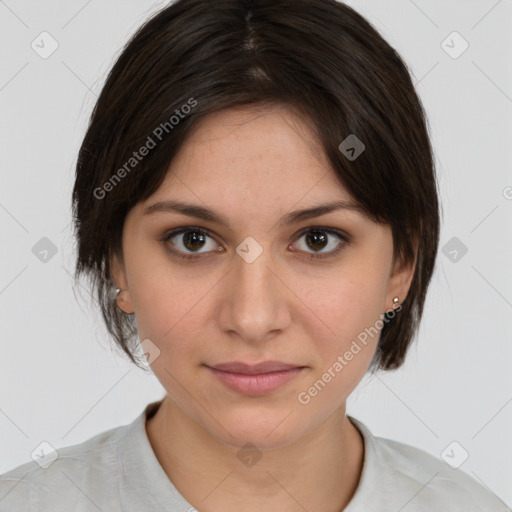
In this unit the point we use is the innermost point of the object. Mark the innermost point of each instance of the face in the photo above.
(260, 286)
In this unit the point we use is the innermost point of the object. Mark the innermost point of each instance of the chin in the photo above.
(264, 429)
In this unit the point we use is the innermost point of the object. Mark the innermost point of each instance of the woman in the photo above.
(256, 203)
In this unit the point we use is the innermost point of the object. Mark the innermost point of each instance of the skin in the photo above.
(254, 165)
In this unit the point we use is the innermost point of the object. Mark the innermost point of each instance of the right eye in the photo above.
(188, 241)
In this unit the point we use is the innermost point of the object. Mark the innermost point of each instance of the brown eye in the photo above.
(193, 240)
(187, 242)
(316, 240)
(321, 242)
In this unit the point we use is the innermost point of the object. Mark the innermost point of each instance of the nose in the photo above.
(255, 303)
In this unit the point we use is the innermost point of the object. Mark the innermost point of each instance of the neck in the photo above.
(318, 472)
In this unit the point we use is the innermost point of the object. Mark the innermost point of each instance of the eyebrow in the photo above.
(207, 214)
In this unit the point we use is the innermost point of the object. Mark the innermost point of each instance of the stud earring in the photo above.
(119, 295)
(396, 304)
(120, 298)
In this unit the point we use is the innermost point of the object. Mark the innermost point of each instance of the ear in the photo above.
(118, 273)
(401, 277)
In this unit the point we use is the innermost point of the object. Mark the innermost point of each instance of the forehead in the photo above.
(256, 153)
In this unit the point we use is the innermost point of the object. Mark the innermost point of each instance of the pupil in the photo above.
(315, 238)
(192, 238)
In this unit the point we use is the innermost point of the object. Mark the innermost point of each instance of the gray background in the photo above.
(60, 381)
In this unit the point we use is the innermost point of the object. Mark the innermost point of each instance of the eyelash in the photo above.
(344, 239)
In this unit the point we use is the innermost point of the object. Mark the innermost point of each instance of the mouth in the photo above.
(255, 380)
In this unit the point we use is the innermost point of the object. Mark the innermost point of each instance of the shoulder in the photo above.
(420, 481)
(436, 481)
(69, 478)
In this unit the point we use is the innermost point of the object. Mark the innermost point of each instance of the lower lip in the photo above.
(257, 384)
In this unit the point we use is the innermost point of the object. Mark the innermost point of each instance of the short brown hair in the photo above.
(318, 57)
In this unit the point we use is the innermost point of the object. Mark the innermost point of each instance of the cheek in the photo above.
(166, 307)
(348, 310)
(171, 309)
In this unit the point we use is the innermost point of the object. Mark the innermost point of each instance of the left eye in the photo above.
(317, 239)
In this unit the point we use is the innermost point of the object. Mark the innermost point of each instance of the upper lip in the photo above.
(264, 367)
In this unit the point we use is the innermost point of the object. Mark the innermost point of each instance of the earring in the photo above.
(117, 297)
(118, 294)
(391, 311)
(113, 292)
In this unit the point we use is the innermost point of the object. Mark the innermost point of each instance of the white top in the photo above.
(118, 470)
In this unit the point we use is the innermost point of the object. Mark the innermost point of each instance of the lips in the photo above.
(255, 380)
(256, 369)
